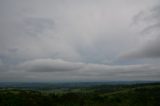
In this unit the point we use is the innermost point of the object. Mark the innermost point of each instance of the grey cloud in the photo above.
(37, 25)
(49, 65)
(153, 18)
(2, 67)
(116, 70)
(105, 72)
(150, 48)
(58, 70)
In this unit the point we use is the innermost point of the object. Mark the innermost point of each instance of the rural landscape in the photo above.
(80, 94)
(79, 52)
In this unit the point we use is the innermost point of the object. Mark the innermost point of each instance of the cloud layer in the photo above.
(79, 40)
(60, 70)
(49, 65)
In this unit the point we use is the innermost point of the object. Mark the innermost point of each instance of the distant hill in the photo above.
(38, 85)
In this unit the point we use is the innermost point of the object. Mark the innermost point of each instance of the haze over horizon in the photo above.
(79, 40)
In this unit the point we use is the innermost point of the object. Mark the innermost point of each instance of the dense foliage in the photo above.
(120, 95)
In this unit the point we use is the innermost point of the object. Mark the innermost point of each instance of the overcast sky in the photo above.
(79, 40)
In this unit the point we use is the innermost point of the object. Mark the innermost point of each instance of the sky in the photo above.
(79, 40)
